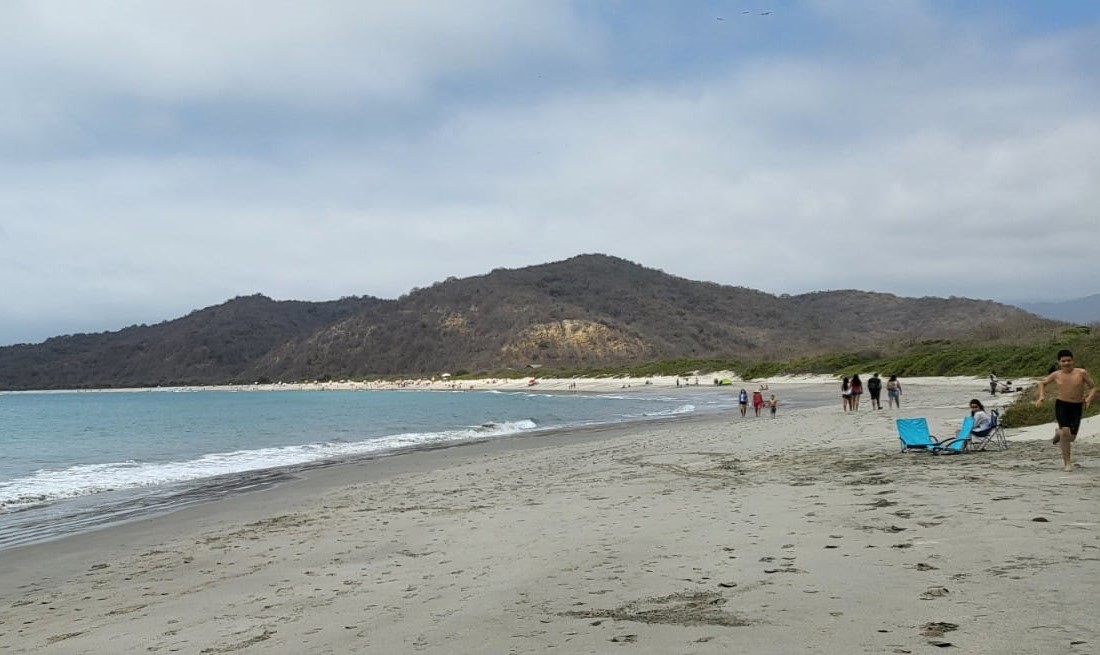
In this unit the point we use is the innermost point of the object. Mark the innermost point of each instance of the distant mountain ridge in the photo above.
(587, 311)
(1083, 311)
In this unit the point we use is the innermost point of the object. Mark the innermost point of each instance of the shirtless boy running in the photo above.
(1071, 401)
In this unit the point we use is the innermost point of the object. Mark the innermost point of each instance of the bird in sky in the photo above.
(765, 13)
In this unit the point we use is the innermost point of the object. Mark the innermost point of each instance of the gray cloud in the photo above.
(163, 157)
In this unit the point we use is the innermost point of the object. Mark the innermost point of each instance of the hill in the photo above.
(212, 345)
(1082, 311)
(587, 311)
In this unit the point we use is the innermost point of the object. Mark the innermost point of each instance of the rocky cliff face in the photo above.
(574, 341)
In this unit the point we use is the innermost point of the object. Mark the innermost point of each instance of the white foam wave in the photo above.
(675, 411)
(45, 486)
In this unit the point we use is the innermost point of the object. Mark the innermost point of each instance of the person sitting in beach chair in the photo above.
(983, 424)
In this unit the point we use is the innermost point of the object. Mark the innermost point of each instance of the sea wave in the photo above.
(46, 486)
(675, 411)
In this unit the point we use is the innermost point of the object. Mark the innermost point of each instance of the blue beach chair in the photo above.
(913, 434)
(961, 442)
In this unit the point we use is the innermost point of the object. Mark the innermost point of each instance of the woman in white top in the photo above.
(983, 423)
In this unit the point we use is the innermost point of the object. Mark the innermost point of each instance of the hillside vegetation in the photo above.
(590, 313)
(942, 358)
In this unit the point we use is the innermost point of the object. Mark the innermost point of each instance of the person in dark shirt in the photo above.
(874, 387)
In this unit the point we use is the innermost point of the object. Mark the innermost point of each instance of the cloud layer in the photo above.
(159, 157)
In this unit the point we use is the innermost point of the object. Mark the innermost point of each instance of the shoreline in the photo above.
(325, 476)
(150, 503)
(544, 385)
(123, 506)
(702, 534)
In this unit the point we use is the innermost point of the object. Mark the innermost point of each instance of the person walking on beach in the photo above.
(857, 391)
(743, 401)
(772, 405)
(874, 387)
(1070, 403)
(845, 394)
(893, 392)
(757, 402)
(992, 383)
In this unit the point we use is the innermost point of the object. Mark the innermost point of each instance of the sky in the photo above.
(160, 157)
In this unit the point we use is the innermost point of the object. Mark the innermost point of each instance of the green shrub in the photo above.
(1023, 412)
(929, 358)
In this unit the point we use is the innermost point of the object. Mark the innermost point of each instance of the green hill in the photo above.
(588, 312)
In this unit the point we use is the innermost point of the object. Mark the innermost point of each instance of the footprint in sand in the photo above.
(934, 592)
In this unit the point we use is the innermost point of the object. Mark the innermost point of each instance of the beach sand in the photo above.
(719, 534)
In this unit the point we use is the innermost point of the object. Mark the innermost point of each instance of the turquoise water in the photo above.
(76, 460)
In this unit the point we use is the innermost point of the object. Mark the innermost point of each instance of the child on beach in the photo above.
(1070, 403)
(772, 404)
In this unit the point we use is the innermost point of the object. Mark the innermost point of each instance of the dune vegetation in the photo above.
(930, 358)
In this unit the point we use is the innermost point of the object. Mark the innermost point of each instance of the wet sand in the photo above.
(804, 533)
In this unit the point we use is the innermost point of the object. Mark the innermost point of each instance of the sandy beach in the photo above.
(535, 382)
(808, 532)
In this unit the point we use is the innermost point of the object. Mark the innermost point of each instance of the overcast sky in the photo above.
(158, 157)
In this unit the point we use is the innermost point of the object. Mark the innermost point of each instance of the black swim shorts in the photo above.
(1068, 415)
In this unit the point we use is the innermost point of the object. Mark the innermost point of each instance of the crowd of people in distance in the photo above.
(851, 389)
(1076, 391)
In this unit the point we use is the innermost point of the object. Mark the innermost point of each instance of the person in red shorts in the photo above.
(757, 401)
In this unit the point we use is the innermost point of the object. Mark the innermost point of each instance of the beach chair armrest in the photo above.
(948, 446)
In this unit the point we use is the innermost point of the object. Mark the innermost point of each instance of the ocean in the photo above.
(76, 461)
